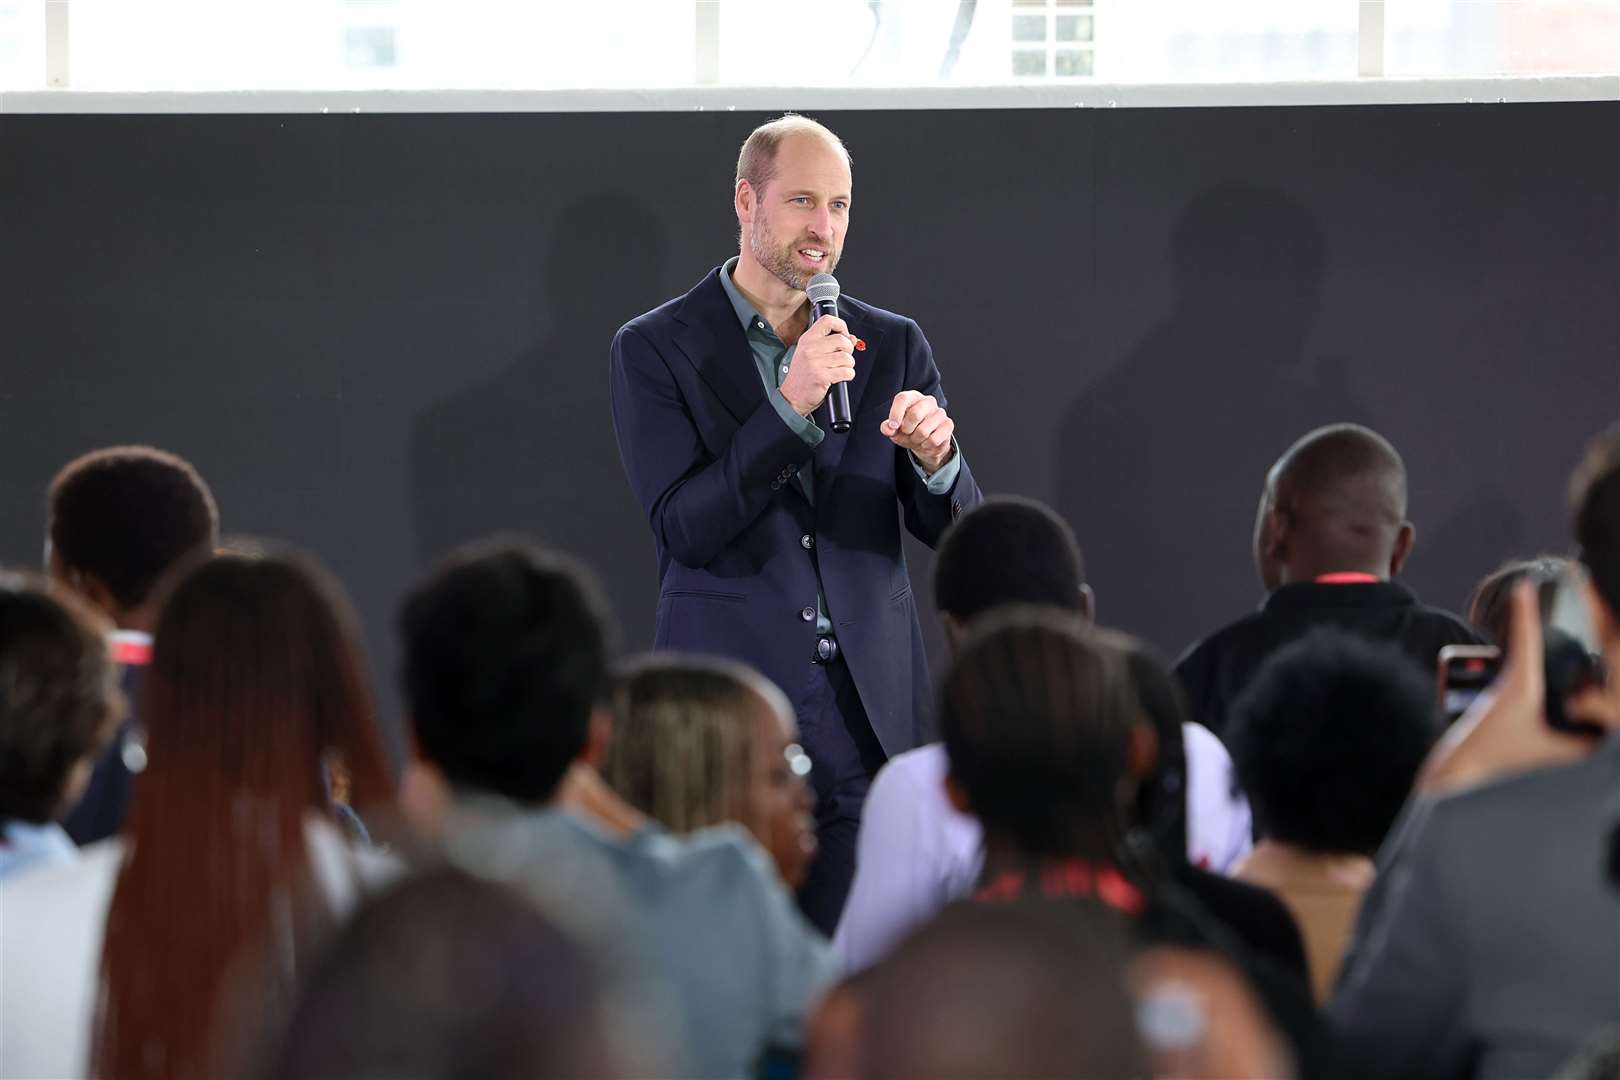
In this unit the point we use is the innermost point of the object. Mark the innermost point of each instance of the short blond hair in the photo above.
(756, 162)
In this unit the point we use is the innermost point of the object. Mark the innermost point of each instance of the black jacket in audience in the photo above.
(1254, 915)
(1215, 671)
(101, 809)
(1179, 916)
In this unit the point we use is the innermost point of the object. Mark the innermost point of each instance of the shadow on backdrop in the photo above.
(1160, 463)
(1487, 529)
(531, 448)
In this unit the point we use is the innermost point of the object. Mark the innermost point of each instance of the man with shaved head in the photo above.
(1331, 533)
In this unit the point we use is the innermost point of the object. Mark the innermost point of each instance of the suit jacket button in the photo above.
(776, 485)
(807, 541)
(808, 614)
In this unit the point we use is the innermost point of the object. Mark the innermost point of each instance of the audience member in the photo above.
(698, 741)
(505, 674)
(448, 976)
(1257, 918)
(1047, 746)
(1024, 990)
(1328, 739)
(1490, 942)
(916, 853)
(1489, 603)
(1331, 534)
(229, 860)
(59, 705)
(119, 519)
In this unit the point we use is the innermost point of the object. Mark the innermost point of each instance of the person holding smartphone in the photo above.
(1490, 943)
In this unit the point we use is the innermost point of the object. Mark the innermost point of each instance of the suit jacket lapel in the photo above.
(715, 345)
(831, 451)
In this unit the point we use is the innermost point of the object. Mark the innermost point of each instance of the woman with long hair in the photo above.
(256, 698)
(1046, 729)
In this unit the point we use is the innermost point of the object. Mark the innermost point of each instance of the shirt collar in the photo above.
(132, 648)
(1308, 595)
(24, 838)
(746, 314)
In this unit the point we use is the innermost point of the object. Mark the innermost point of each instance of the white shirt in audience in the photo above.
(917, 853)
(51, 923)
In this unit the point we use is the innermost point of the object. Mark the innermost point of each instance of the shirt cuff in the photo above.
(940, 482)
(802, 426)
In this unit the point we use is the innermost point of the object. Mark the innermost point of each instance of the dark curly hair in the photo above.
(127, 514)
(1009, 550)
(1328, 739)
(59, 699)
(506, 653)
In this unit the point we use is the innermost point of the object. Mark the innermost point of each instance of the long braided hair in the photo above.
(1036, 714)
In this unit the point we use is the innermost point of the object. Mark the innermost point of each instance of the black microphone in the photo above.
(823, 293)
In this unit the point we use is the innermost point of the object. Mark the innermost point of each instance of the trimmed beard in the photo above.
(777, 259)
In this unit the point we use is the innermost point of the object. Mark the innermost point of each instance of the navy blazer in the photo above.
(738, 543)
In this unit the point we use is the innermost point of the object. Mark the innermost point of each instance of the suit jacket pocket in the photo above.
(704, 594)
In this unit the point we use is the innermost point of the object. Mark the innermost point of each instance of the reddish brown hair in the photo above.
(256, 675)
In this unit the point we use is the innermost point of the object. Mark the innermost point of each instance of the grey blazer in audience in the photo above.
(1489, 946)
(694, 935)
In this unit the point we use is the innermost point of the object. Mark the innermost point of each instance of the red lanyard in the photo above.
(1349, 577)
(1065, 879)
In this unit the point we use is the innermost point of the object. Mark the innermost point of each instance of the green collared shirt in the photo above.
(773, 357)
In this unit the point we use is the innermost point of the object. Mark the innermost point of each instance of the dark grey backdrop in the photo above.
(380, 335)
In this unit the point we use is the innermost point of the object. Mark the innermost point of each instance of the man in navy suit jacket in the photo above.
(778, 542)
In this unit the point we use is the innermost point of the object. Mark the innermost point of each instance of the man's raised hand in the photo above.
(917, 423)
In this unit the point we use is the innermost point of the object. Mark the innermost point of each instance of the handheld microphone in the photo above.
(823, 294)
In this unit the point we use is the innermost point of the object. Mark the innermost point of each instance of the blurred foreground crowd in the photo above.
(1295, 852)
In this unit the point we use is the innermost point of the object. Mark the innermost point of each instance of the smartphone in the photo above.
(1464, 671)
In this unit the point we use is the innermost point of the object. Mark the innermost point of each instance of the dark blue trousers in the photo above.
(834, 731)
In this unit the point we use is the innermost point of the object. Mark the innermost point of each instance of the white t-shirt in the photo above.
(916, 852)
(51, 923)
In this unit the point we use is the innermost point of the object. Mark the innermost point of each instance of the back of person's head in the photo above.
(1328, 738)
(1161, 801)
(1488, 605)
(506, 655)
(59, 700)
(1335, 502)
(1040, 723)
(698, 741)
(447, 976)
(257, 690)
(1009, 550)
(122, 517)
(1022, 989)
(1595, 502)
